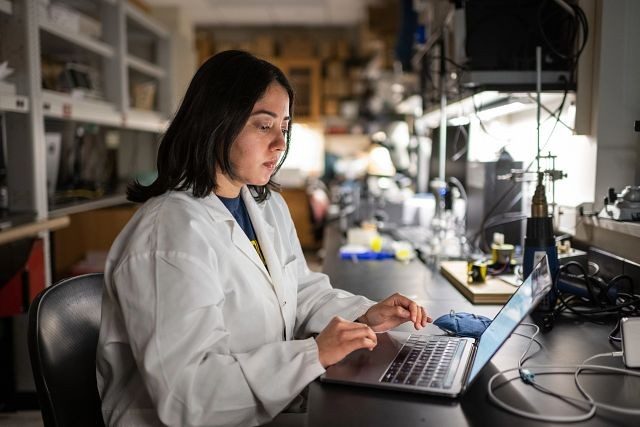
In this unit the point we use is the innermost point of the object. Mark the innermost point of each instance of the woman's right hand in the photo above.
(341, 337)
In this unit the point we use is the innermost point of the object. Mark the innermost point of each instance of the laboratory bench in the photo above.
(571, 341)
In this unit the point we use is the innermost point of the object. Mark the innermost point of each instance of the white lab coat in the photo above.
(195, 330)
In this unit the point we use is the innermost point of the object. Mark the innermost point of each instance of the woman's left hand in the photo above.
(393, 311)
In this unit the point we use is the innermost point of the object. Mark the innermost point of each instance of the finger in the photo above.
(418, 323)
(429, 319)
(362, 342)
(416, 312)
(414, 308)
(358, 333)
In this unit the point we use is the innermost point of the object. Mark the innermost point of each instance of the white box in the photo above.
(63, 16)
(7, 88)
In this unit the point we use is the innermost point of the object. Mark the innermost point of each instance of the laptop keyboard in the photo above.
(426, 361)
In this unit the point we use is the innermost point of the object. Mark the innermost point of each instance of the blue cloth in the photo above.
(239, 211)
(463, 324)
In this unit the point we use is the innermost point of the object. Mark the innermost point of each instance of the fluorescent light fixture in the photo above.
(459, 121)
(464, 107)
(503, 110)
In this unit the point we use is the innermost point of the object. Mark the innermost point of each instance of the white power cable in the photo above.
(527, 376)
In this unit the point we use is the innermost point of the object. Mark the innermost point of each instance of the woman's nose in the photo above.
(280, 142)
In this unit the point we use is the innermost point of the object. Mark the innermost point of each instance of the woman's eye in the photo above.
(265, 127)
(285, 132)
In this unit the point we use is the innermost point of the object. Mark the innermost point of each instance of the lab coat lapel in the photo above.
(238, 236)
(266, 235)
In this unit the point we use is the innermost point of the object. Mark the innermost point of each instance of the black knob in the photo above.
(637, 127)
(612, 195)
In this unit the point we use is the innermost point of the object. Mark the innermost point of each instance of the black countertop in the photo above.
(570, 342)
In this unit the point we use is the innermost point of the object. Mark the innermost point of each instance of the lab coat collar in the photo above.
(219, 212)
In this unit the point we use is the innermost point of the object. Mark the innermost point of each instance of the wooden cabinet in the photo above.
(298, 202)
(305, 77)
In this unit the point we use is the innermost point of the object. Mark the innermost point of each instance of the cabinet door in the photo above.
(304, 75)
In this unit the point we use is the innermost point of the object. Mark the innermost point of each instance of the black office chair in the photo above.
(64, 322)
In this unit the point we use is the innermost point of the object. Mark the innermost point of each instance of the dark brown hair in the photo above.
(214, 110)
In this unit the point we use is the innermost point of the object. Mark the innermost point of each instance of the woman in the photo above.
(209, 307)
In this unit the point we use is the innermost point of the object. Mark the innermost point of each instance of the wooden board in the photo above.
(492, 291)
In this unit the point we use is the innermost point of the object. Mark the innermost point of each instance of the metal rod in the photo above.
(538, 90)
(443, 112)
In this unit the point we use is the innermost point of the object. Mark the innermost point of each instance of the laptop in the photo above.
(439, 364)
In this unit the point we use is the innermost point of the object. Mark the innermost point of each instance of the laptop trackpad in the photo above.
(364, 366)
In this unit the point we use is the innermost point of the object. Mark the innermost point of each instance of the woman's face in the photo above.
(256, 151)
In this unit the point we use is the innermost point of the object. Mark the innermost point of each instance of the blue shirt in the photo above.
(239, 211)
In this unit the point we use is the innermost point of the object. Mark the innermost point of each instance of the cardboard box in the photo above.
(144, 95)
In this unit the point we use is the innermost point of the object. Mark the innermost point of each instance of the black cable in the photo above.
(589, 314)
(579, 21)
(617, 278)
(585, 276)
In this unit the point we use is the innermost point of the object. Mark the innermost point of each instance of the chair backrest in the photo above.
(64, 323)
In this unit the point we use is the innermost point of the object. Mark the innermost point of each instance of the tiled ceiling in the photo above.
(270, 12)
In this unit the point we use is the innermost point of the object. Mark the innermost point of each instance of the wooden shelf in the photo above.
(32, 229)
(87, 205)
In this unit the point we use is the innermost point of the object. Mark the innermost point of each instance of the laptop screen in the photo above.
(514, 311)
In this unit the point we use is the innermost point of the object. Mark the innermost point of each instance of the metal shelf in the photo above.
(77, 39)
(150, 121)
(63, 106)
(6, 7)
(145, 67)
(15, 103)
(88, 205)
(618, 237)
